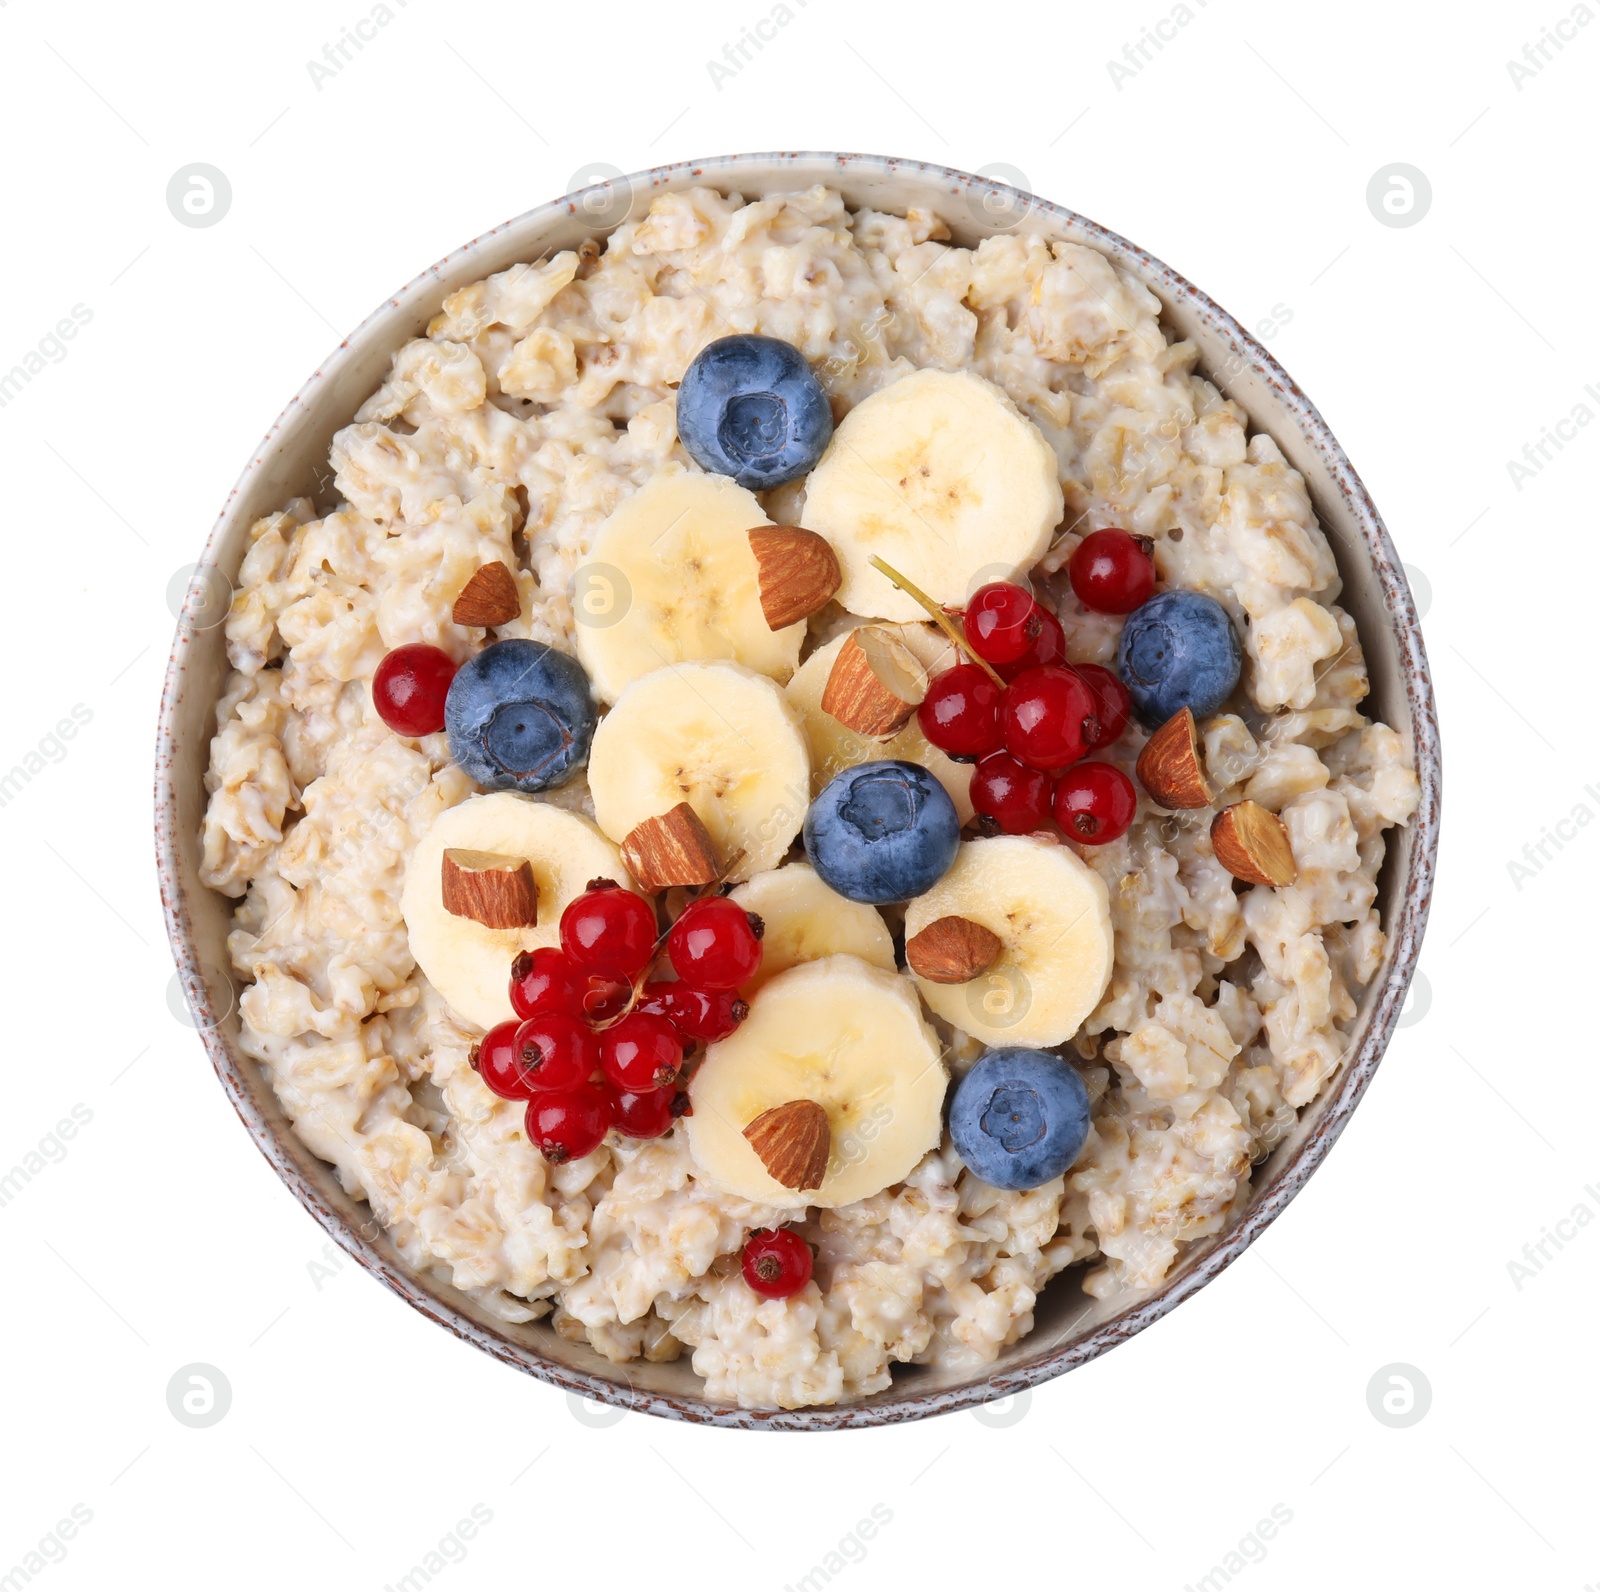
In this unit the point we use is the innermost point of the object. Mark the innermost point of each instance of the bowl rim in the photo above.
(1405, 934)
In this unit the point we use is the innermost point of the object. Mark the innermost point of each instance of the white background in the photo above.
(358, 1433)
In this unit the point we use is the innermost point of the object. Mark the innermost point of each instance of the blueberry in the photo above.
(749, 407)
(520, 717)
(882, 832)
(1020, 1117)
(1178, 650)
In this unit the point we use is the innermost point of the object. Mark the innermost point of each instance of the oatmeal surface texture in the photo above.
(541, 399)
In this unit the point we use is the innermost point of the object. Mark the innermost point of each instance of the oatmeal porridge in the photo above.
(806, 780)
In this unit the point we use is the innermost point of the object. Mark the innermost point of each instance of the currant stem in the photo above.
(722, 878)
(938, 615)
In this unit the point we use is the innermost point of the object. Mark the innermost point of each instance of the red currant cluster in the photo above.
(1026, 734)
(594, 1044)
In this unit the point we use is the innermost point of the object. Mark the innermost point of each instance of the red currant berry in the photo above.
(959, 715)
(499, 1064)
(1001, 621)
(410, 686)
(641, 1052)
(566, 1124)
(1112, 571)
(1112, 702)
(776, 1262)
(545, 981)
(643, 1113)
(609, 930)
(702, 1014)
(1095, 803)
(716, 944)
(1016, 799)
(556, 1051)
(1049, 717)
(1049, 646)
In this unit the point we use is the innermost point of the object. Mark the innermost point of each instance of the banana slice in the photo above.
(1053, 916)
(805, 921)
(718, 736)
(688, 586)
(468, 964)
(849, 1037)
(941, 476)
(834, 746)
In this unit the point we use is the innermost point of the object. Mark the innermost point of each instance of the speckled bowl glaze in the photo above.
(1070, 1328)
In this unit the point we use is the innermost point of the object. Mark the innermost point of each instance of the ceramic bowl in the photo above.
(1070, 1328)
